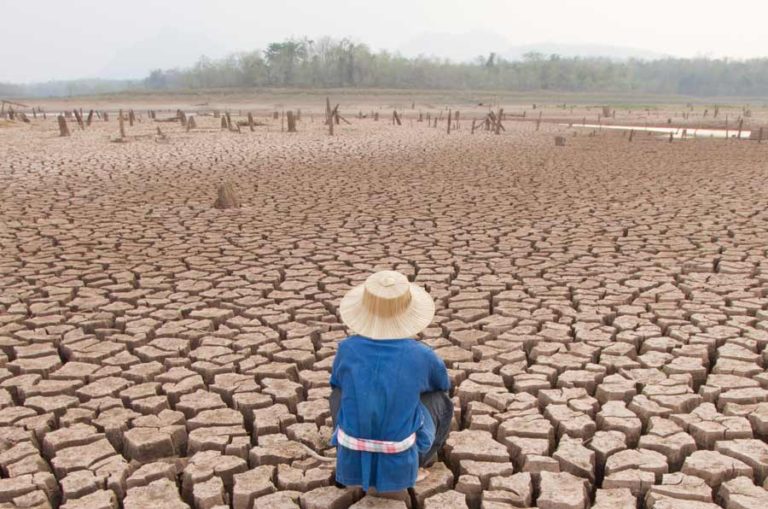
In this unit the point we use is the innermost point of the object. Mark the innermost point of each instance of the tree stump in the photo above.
(63, 127)
(122, 125)
(227, 197)
(291, 122)
(79, 119)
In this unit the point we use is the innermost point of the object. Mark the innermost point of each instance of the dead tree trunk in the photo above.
(291, 122)
(122, 126)
(330, 120)
(79, 119)
(227, 197)
(63, 127)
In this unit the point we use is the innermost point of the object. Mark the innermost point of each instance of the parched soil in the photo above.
(602, 310)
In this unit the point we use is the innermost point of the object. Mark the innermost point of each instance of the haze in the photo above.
(48, 39)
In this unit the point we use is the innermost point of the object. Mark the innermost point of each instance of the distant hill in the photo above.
(458, 47)
(582, 50)
(469, 45)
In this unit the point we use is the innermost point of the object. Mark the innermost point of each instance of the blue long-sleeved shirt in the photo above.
(380, 382)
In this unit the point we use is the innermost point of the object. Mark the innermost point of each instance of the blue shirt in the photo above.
(380, 382)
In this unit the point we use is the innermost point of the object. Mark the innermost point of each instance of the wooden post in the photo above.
(328, 111)
(282, 121)
(191, 123)
(498, 121)
(760, 136)
(726, 127)
(224, 122)
(473, 126)
(456, 119)
(291, 122)
(741, 123)
(122, 125)
(79, 119)
(131, 117)
(396, 117)
(105, 116)
(450, 119)
(63, 127)
(631, 135)
(671, 136)
(229, 121)
(89, 119)
(250, 121)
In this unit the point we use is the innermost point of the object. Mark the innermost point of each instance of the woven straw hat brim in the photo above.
(414, 319)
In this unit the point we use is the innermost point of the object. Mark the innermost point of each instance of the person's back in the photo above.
(389, 404)
(381, 383)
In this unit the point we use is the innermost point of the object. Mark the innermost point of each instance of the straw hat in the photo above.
(387, 306)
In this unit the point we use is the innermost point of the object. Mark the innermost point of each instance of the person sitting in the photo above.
(389, 404)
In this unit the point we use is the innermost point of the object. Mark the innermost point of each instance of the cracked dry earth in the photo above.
(602, 310)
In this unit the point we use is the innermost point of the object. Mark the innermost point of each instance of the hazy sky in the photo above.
(58, 39)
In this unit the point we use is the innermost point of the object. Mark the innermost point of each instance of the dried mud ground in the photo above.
(602, 310)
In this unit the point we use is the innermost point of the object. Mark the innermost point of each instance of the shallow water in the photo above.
(677, 132)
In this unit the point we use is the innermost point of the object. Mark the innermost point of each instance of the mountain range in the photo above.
(469, 45)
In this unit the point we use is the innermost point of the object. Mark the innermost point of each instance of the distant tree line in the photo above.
(327, 62)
